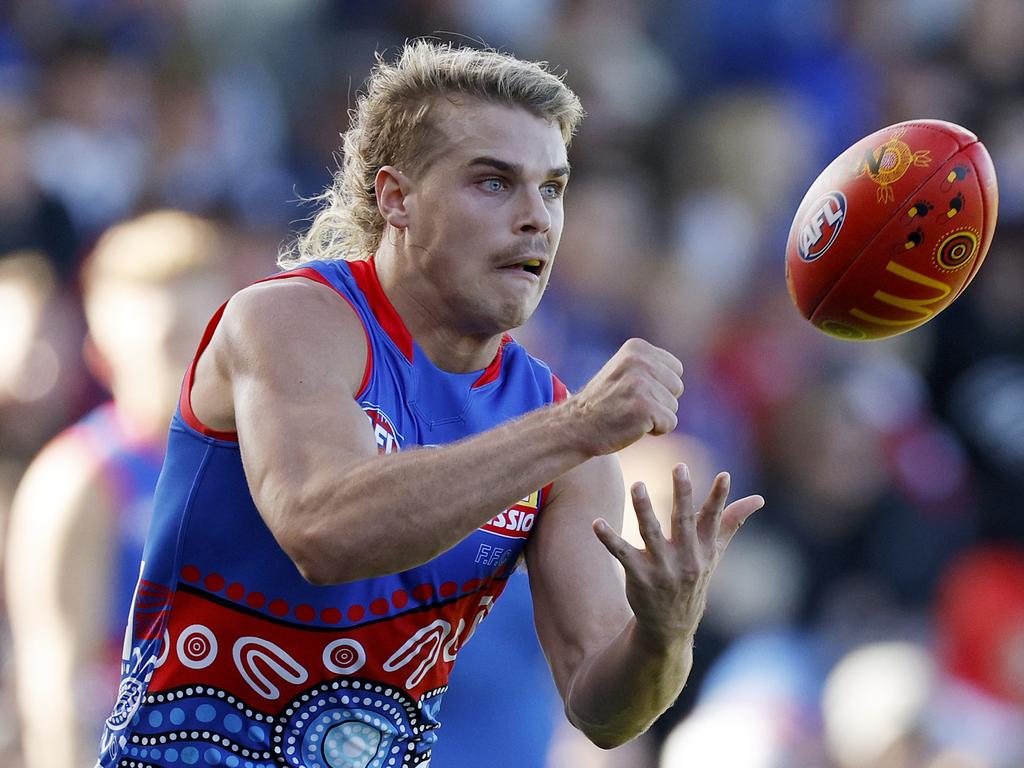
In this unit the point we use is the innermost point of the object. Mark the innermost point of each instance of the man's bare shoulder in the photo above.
(283, 306)
(293, 321)
(66, 479)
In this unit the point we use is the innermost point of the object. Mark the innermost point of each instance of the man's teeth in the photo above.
(531, 263)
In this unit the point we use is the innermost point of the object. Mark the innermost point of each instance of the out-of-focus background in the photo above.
(872, 614)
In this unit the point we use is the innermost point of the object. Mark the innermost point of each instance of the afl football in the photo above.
(893, 230)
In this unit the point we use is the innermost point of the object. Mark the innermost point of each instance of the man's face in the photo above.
(484, 219)
(148, 332)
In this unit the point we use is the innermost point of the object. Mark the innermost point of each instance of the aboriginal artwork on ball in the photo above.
(956, 250)
(916, 210)
(886, 164)
(959, 173)
(955, 205)
(914, 238)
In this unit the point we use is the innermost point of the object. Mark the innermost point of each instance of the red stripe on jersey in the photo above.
(559, 389)
(365, 274)
(492, 371)
(185, 400)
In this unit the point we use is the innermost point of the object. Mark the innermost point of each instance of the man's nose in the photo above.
(535, 216)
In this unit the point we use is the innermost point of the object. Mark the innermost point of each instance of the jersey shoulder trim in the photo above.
(493, 370)
(559, 391)
(364, 272)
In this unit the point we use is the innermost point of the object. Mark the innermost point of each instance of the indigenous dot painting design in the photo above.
(199, 725)
(351, 723)
(292, 715)
(129, 696)
(956, 250)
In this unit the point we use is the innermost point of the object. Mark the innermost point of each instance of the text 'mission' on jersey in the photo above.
(232, 658)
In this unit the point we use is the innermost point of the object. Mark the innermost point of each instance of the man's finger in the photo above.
(711, 513)
(734, 516)
(619, 548)
(647, 521)
(684, 518)
(669, 377)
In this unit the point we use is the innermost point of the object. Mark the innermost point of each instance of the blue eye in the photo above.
(493, 185)
(552, 191)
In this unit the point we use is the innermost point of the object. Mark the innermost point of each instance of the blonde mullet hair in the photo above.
(391, 125)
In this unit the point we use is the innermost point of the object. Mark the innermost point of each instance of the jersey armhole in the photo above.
(185, 399)
(558, 390)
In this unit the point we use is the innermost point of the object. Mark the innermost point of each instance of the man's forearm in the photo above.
(385, 514)
(620, 691)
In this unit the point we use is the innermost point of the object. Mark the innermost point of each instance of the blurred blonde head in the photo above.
(394, 124)
(149, 287)
(152, 248)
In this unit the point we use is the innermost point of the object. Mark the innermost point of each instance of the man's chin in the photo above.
(507, 320)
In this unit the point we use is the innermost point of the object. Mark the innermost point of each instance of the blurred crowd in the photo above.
(870, 616)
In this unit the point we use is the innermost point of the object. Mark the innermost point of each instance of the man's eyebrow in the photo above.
(514, 168)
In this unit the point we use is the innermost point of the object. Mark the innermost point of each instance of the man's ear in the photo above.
(391, 187)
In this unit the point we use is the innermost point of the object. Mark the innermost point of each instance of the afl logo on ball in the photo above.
(821, 225)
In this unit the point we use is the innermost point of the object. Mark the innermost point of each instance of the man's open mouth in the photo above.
(533, 266)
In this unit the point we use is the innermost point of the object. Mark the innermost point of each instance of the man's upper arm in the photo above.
(58, 577)
(295, 353)
(578, 593)
(58, 591)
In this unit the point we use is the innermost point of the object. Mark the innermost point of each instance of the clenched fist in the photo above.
(636, 393)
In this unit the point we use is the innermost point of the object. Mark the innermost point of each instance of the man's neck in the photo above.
(428, 321)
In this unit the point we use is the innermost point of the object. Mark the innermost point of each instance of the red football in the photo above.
(893, 230)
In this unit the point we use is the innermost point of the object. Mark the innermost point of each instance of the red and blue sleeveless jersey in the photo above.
(232, 658)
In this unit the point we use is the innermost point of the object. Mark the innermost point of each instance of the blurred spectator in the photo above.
(873, 706)
(89, 150)
(42, 377)
(956, 704)
(979, 705)
(758, 708)
(80, 515)
(30, 219)
(978, 379)
(838, 491)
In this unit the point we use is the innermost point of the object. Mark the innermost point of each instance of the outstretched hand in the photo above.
(666, 583)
